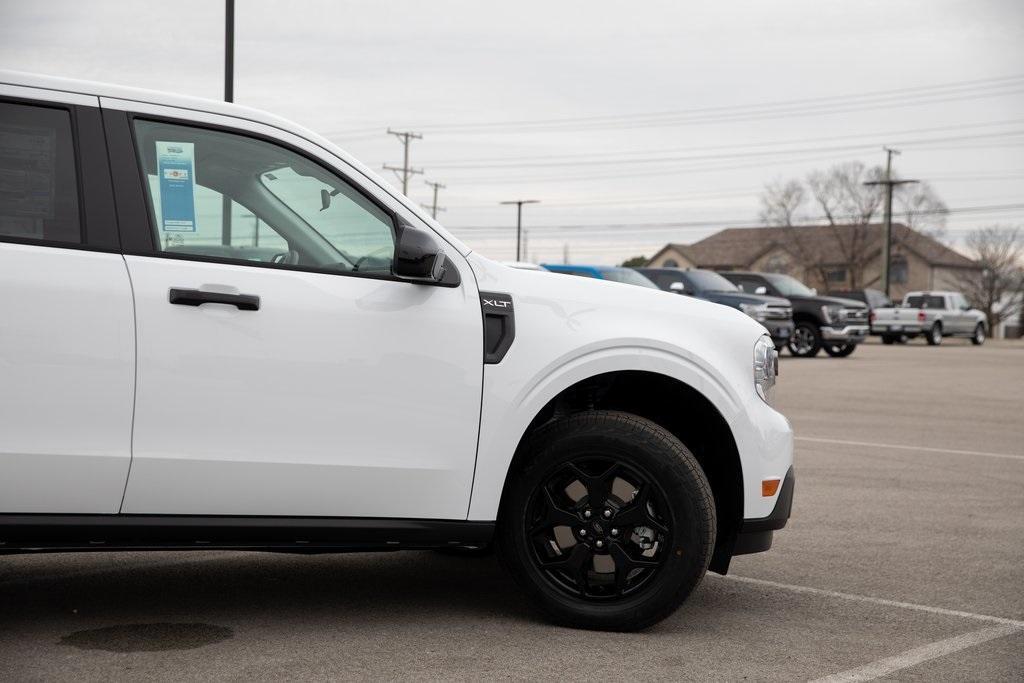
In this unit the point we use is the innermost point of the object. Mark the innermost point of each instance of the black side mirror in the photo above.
(419, 258)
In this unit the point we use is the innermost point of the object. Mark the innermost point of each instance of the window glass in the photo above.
(229, 196)
(38, 180)
(789, 286)
(709, 281)
(925, 301)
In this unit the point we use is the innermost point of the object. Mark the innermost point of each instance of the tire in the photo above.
(840, 350)
(934, 336)
(889, 339)
(658, 543)
(978, 338)
(806, 340)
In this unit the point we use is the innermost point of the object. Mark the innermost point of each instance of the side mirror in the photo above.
(760, 289)
(677, 287)
(419, 258)
(814, 291)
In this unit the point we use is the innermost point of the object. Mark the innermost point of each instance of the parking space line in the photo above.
(919, 655)
(875, 601)
(870, 444)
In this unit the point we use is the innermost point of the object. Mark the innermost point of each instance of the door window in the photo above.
(227, 196)
(38, 180)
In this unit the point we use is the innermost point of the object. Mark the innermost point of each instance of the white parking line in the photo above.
(875, 601)
(869, 444)
(919, 655)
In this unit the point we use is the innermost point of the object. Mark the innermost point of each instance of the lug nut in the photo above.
(600, 544)
(587, 513)
(607, 513)
(615, 532)
(583, 532)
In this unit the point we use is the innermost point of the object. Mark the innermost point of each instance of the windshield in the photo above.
(709, 281)
(788, 286)
(629, 276)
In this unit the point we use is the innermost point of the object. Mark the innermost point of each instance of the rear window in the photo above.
(925, 301)
(38, 181)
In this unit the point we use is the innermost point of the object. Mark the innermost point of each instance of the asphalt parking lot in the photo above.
(904, 559)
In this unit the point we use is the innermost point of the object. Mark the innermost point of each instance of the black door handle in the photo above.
(198, 297)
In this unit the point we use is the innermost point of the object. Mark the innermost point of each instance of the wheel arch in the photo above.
(676, 406)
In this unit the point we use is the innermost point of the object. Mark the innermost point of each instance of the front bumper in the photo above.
(896, 328)
(756, 534)
(849, 334)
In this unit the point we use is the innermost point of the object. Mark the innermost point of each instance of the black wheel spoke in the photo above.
(638, 514)
(625, 564)
(577, 564)
(555, 515)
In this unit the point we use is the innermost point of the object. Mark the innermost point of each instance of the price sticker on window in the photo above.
(176, 171)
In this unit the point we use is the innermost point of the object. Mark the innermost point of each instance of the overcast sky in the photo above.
(615, 115)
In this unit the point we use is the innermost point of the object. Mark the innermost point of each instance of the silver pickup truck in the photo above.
(933, 314)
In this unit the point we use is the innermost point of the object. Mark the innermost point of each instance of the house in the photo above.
(828, 257)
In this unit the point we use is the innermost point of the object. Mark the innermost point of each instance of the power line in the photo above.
(900, 93)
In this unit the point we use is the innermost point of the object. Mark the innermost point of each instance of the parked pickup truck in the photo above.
(775, 313)
(341, 373)
(932, 314)
(822, 322)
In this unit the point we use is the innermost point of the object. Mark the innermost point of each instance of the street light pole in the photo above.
(519, 221)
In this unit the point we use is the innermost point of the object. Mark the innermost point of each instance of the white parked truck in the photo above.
(219, 330)
(932, 314)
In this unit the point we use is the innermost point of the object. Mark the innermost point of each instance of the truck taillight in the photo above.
(920, 316)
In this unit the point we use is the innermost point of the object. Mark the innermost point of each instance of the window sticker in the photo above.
(176, 170)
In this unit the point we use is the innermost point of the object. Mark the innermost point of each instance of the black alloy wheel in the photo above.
(934, 336)
(806, 340)
(598, 528)
(608, 523)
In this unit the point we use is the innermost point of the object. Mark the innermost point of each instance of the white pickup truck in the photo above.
(933, 314)
(219, 330)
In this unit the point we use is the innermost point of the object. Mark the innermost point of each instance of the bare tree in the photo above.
(849, 206)
(920, 209)
(999, 288)
(780, 202)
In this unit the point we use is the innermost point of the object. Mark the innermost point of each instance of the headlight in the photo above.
(831, 313)
(755, 311)
(766, 368)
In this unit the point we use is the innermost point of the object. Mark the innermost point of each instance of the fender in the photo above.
(506, 414)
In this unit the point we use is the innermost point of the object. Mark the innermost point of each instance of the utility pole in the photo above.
(519, 220)
(404, 172)
(229, 96)
(887, 237)
(434, 208)
(526, 249)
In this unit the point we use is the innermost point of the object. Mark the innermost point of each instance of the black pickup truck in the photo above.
(773, 312)
(821, 322)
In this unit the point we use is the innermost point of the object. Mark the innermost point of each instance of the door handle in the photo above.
(198, 297)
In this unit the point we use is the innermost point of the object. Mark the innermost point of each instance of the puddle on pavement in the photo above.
(147, 637)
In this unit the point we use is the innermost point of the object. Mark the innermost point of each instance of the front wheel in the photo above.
(840, 350)
(978, 338)
(610, 522)
(934, 336)
(806, 340)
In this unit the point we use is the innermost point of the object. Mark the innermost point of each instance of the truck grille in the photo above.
(779, 313)
(854, 315)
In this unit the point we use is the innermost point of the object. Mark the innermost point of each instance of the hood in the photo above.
(737, 298)
(830, 300)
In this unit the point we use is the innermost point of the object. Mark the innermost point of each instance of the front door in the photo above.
(318, 385)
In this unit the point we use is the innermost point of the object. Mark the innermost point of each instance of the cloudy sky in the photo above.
(634, 124)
